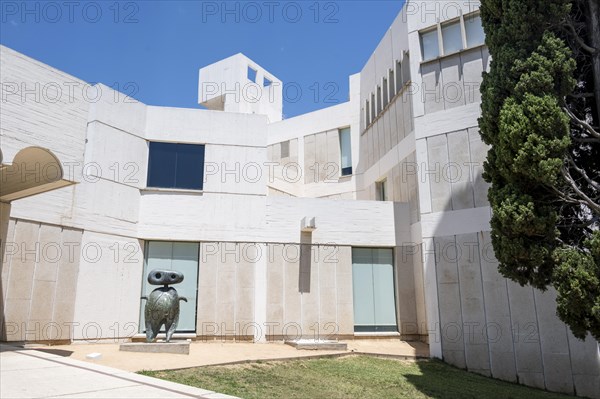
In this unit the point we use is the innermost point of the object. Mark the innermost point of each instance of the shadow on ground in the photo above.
(442, 381)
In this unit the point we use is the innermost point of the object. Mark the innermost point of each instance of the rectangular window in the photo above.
(285, 149)
(391, 85)
(373, 290)
(267, 82)
(251, 74)
(398, 76)
(385, 92)
(378, 100)
(406, 69)
(367, 113)
(373, 114)
(346, 151)
(174, 165)
(381, 192)
(474, 30)
(430, 47)
(452, 37)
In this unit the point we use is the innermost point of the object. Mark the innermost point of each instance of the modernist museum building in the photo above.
(365, 219)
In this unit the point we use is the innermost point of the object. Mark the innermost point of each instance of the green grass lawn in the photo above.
(348, 377)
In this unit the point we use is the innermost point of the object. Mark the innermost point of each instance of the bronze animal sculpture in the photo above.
(162, 305)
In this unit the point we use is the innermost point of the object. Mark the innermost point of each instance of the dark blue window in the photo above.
(173, 165)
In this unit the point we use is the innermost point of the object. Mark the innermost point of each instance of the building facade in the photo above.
(365, 219)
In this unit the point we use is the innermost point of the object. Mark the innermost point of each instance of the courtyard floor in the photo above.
(217, 353)
(41, 371)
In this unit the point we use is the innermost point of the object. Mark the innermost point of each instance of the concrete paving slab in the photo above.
(30, 373)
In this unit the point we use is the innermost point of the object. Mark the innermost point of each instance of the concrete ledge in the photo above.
(177, 347)
(318, 345)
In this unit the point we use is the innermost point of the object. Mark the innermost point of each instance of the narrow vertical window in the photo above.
(381, 190)
(345, 151)
(398, 76)
(430, 47)
(391, 84)
(385, 92)
(373, 114)
(378, 100)
(367, 114)
(406, 68)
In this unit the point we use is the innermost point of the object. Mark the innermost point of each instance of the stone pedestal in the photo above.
(177, 347)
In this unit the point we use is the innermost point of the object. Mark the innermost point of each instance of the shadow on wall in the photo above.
(492, 326)
(305, 262)
(4, 218)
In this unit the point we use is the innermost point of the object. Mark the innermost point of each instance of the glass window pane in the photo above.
(373, 289)
(190, 166)
(399, 72)
(474, 30)
(406, 69)
(383, 287)
(185, 260)
(451, 38)
(346, 151)
(429, 45)
(373, 114)
(161, 165)
(385, 92)
(381, 194)
(362, 287)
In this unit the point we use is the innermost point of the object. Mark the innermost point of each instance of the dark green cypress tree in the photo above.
(540, 117)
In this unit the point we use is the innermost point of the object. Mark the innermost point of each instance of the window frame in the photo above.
(381, 190)
(439, 29)
(347, 171)
(465, 18)
(392, 83)
(449, 23)
(431, 30)
(174, 186)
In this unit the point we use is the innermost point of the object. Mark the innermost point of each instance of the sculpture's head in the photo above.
(164, 277)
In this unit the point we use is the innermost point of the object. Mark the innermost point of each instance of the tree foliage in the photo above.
(540, 117)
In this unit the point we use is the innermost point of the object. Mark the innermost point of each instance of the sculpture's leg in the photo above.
(171, 326)
(151, 330)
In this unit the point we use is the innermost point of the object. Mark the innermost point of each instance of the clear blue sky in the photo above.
(160, 45)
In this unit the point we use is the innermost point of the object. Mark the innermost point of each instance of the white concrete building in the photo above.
(368, 218)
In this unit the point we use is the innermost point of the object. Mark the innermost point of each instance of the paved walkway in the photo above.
(28, 373)
(217, 352)
(65, 372)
